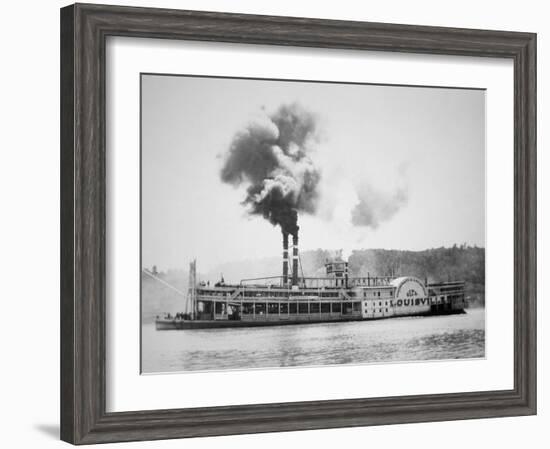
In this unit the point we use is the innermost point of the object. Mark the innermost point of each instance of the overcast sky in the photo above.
(417, 155)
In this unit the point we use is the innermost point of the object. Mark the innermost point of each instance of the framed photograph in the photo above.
(275, 223)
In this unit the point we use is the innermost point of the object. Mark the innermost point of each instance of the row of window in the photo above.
(375, 282)
(260, 308)
(374, 311)
(319, 307)
(285, 294)
(367, 293)
(379, 303)
(451, 288)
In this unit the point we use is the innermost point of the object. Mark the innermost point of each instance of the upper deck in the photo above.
(275, 283)
(321, 287)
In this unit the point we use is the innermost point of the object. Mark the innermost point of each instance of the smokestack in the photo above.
(295, 259)
(285, 258)
(346, 274)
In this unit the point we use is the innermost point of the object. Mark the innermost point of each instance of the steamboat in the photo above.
(295, 299)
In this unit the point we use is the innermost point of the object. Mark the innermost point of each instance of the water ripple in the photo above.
(392, 340)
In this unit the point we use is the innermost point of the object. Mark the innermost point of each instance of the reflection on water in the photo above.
(391, 340)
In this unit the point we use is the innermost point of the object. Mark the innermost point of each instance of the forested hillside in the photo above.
(465, 263)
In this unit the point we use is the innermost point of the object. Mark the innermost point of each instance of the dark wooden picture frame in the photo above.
(84, 29)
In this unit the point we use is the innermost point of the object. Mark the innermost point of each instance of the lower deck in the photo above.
(289, 310)
(175, 324)
(213, 313)
(326, 310)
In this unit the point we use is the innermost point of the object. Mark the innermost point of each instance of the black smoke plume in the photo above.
(271, 156)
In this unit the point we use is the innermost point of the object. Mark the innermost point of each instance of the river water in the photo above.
(390, 340)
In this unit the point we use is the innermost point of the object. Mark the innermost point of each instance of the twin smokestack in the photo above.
(294, 259)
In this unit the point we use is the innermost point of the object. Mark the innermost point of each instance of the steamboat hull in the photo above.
(209, 324)
(168, 324)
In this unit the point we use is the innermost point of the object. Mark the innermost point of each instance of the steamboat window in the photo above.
(292, 307)
(284, 307)
(303, 307)
(356, 306)
(325, 307)
(260, 308)
(314, 307)
(273, 307)
(248, 308)
(336, 307)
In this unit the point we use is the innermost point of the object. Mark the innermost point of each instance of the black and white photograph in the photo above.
(275, 224)
(289, 223)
